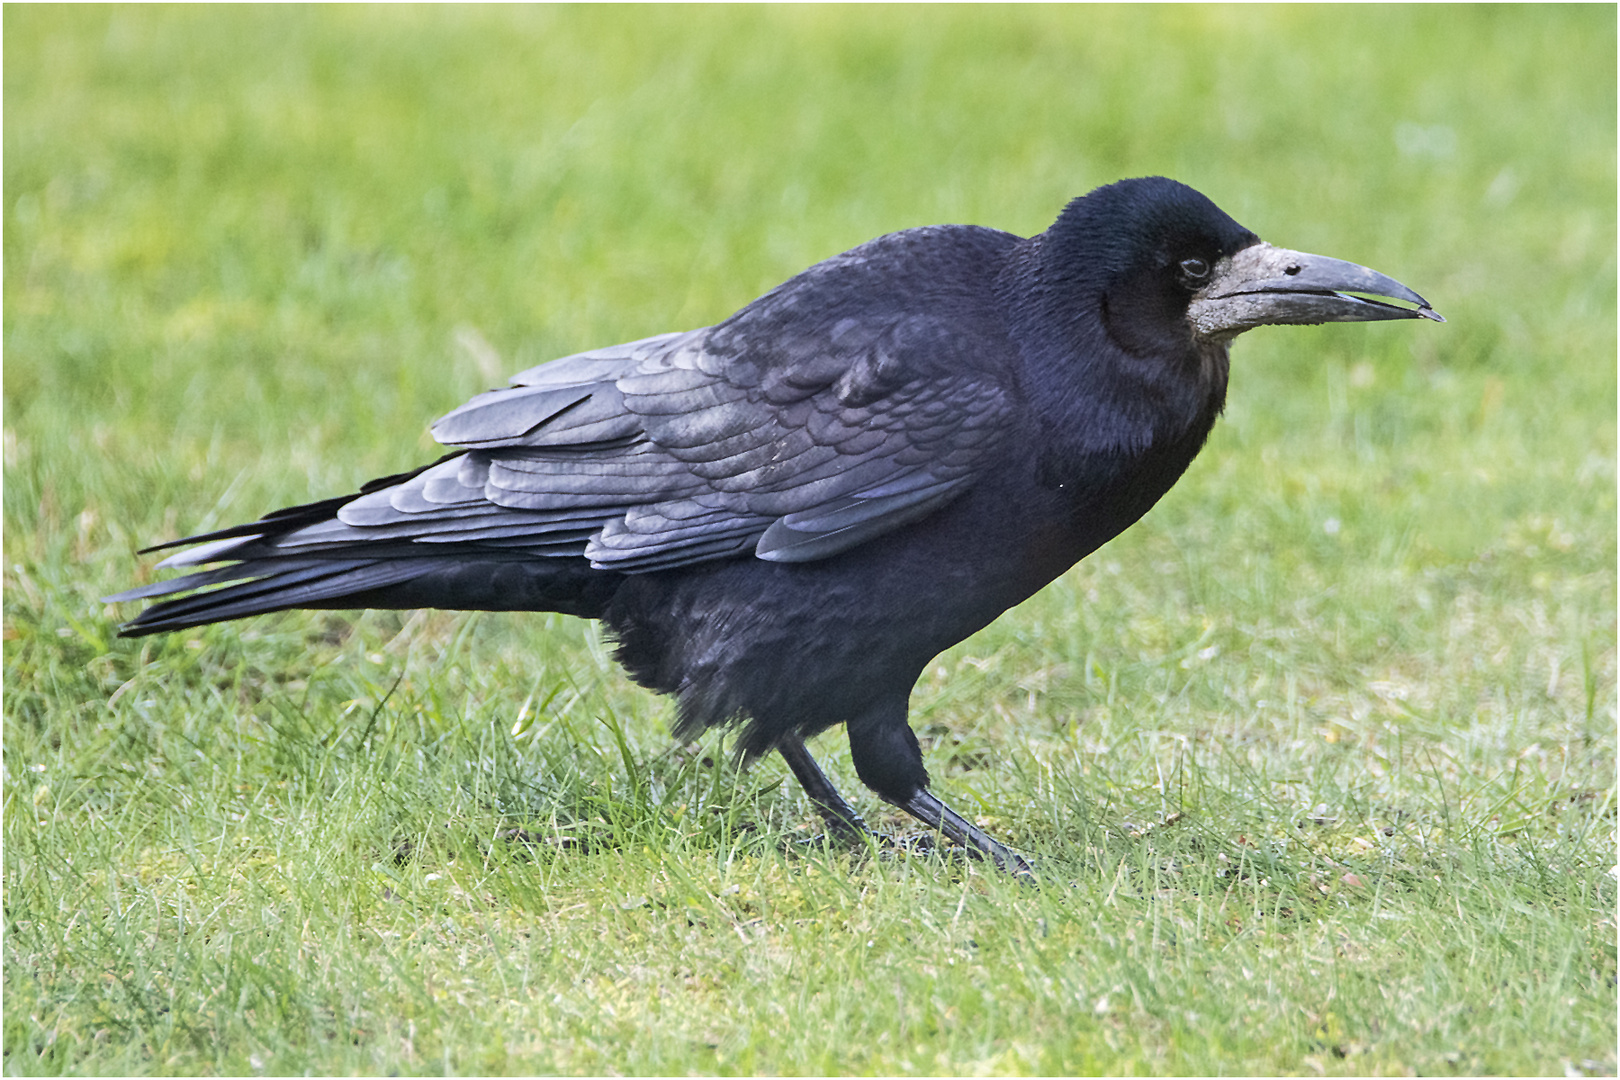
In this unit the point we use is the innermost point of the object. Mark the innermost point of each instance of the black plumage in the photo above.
(782, 518)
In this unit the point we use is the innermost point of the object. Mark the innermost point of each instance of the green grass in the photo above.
(1318, 759)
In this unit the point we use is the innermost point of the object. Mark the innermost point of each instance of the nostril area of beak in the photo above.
(1292, 270)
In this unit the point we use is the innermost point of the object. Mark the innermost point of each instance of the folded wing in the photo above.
(669, 451)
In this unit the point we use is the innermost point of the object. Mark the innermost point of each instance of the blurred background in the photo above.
(252, 252)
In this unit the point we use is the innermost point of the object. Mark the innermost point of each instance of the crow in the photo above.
(782, 518)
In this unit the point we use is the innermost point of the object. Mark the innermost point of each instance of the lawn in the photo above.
(1318, 760)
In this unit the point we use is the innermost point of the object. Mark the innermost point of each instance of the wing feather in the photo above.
(793, 434)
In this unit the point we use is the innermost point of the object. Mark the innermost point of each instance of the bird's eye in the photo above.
(1197, 269)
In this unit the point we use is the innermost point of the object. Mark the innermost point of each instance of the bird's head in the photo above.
(1171, 269)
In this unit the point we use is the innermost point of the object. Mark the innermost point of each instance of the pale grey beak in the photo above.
(1269, 286)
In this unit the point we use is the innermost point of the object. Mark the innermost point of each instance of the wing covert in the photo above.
(675, 449)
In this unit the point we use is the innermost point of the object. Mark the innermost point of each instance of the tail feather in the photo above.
(276, 585)
(168, 587)
(304, 557)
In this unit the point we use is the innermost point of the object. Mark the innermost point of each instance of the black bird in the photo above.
(782, 518)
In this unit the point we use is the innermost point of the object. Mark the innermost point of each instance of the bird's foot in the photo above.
(975, 841)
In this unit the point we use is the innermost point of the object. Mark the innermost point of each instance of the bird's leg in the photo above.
(889, 761)
(923, 806)
(841, 818)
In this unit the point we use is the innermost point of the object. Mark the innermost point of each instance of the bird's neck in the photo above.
(1094, 393)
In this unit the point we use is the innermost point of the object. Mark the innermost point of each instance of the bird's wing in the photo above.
(805, 452)
(679, 449)
(694, 446)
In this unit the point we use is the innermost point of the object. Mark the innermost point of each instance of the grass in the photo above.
(1318, 759)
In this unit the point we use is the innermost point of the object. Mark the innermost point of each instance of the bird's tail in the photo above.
(301, 557)
(263, 585)
(455, 580)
